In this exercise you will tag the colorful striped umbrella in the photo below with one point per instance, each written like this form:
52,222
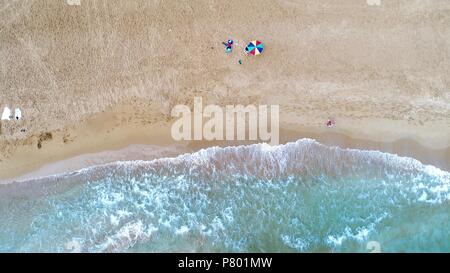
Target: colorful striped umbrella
254,48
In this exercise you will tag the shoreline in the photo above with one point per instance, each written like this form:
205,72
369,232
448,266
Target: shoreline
157,143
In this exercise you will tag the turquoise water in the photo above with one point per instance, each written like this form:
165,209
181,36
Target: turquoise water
298,197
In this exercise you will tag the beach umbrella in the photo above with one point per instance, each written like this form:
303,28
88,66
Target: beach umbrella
254,48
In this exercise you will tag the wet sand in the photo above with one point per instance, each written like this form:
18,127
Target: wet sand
138,144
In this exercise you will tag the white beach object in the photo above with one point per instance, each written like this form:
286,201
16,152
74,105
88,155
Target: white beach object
6,113
18,113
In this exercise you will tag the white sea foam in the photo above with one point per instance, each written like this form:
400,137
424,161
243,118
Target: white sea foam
127,236
295,243
301,195
182,230
302,156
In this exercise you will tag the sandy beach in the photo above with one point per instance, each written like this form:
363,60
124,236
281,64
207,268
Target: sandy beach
96,82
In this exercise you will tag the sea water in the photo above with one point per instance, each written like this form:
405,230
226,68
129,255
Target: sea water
297,197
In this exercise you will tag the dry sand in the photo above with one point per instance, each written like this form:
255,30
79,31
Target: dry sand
105,74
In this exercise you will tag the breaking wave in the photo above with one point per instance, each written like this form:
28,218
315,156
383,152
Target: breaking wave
301,196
